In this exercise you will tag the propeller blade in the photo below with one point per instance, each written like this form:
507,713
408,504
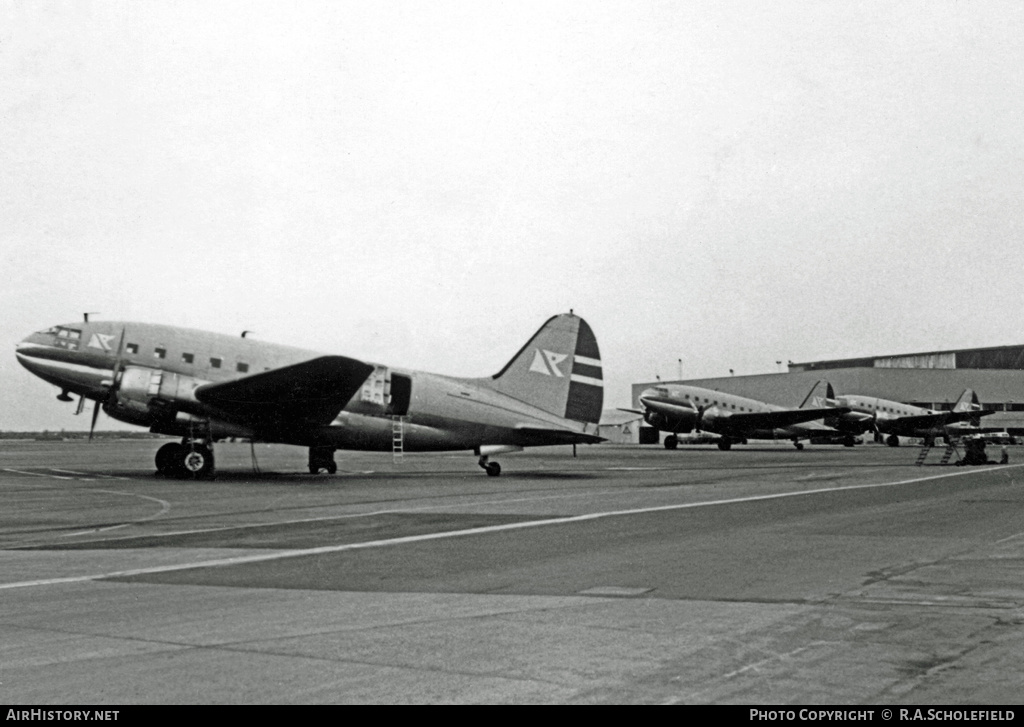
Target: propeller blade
111,394
95,416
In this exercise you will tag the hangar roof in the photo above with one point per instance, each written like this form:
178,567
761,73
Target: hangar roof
993,357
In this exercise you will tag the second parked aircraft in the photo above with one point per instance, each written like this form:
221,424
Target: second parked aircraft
678,408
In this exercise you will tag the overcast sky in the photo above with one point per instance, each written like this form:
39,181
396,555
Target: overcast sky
423,184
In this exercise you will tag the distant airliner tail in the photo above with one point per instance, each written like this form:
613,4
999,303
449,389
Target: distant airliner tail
558,370
820,396
968,401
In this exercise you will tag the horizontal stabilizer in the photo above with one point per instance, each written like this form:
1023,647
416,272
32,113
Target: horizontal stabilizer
539,436
310,393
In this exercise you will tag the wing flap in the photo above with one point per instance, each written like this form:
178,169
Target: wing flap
308,393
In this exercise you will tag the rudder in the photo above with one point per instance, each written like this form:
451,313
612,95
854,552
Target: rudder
558,370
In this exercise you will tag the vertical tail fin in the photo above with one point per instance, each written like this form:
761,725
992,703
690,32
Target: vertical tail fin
968,401
558,370
820,396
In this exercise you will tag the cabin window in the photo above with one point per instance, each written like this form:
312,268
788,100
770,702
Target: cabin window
187,358
131,347
160,352
215,362
242,367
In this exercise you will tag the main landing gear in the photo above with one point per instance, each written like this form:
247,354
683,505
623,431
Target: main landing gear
188,460
798,444
493,469
321,459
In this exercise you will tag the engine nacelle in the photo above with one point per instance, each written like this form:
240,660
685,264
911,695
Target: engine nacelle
142,385
714,419
681,421
184,424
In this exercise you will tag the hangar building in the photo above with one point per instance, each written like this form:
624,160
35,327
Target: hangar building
933,380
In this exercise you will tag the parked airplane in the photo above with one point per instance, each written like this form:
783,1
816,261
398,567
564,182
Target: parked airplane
205,387
679,408
895,419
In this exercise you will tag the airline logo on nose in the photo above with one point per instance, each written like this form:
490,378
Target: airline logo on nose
101,341
546,362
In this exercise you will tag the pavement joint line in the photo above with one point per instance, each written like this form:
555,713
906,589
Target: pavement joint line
327,549
329,518
164,508
37,474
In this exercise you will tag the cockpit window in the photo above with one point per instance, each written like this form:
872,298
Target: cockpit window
66,337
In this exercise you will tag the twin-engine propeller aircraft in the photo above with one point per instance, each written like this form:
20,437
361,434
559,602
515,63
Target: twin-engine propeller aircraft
205,387
677,408
895,419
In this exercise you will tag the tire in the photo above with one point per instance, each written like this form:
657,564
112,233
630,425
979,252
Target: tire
196,462
168,458
493,469
671,441
724,444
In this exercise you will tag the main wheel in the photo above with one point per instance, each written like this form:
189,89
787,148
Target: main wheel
798,445
671,441
493,469
197,461
168,458
892,440
724,445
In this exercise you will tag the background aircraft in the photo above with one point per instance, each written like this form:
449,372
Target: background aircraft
204,387
895,419
679,408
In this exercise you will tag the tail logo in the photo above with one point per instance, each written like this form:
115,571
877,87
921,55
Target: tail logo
546,362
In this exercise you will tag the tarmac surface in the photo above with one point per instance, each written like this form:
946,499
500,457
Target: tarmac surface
763,575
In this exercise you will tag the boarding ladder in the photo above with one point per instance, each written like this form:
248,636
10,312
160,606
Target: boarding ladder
950,449
397,438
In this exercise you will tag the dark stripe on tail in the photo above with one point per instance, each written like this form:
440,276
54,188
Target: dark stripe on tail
585,401
593,372
586,397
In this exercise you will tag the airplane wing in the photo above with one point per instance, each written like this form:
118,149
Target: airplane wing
537,436
309,393
779,419
928,421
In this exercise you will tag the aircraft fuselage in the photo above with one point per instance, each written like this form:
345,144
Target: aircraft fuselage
158,369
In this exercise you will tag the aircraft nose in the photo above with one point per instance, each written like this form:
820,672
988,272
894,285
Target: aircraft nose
31,345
